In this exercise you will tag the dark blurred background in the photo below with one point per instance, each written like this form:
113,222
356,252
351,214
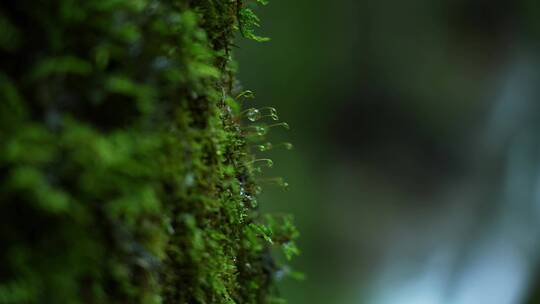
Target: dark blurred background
416,124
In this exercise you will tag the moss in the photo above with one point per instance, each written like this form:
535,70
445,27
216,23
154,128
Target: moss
125,171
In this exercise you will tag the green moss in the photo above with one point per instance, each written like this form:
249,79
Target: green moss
126,175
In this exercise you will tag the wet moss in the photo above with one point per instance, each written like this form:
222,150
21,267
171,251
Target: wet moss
125,172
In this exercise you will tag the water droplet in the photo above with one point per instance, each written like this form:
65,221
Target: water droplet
271,111
253,114
261,131
265,147
256,130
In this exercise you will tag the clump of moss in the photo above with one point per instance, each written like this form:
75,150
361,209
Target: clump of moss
125,171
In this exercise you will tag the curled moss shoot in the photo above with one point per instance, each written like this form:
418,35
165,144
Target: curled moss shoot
271,112
262,130
256,130
279,124
247,94
269,146
253,114
268,162
264,147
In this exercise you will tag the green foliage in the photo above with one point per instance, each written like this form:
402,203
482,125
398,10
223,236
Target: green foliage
248,22
126,176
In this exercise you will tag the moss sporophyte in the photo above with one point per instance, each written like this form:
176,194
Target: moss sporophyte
127,170
253,114
269,146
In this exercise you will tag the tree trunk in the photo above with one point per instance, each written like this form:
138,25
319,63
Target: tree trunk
125,173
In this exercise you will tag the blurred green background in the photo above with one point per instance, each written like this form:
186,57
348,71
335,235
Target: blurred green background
414,173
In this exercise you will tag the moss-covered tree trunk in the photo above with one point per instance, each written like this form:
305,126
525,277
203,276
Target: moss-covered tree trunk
125,172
